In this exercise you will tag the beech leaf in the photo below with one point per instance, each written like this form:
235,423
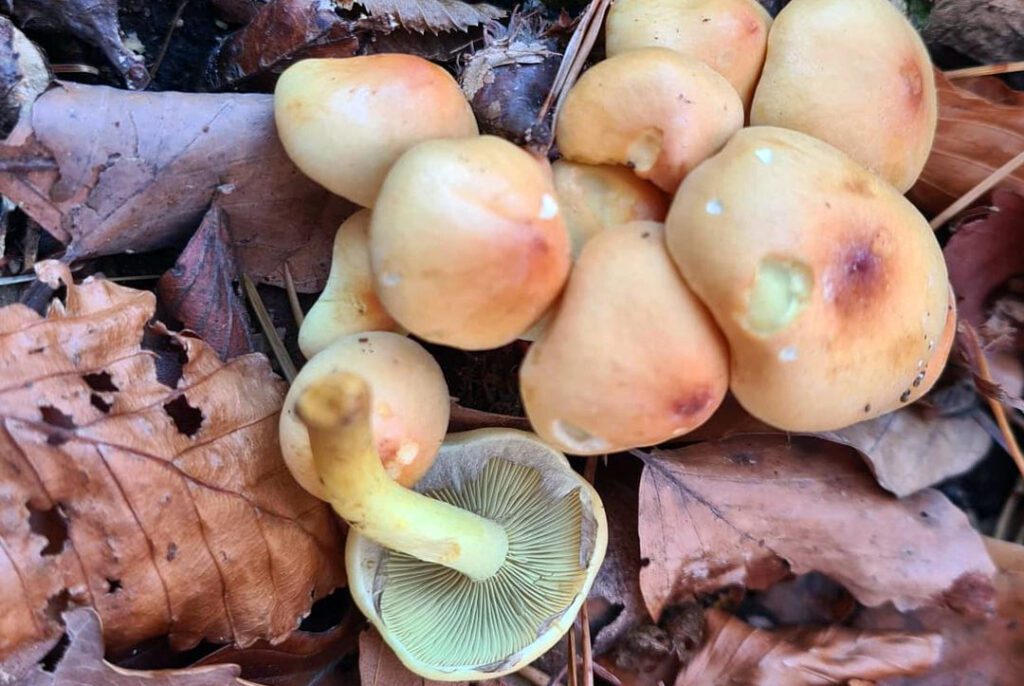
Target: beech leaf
433,16
378,666
908,451
750,509
975,137
138,171
142,476
199,290
737,654
83,664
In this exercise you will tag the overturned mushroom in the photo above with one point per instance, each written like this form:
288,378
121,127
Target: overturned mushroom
410,411
654,110
348,303
480,572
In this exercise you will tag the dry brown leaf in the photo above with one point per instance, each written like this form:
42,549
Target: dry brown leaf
748,510
908,451
615,603
975,652
93,21
989,32
433,16
138,171
148,486
467,419
984,254
975,137
737,654
378,666
83,664
1009,560
199,291
279,33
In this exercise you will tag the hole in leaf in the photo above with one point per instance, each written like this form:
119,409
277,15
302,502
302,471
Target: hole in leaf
99,403
170,357
325,612
644,561
172,552
52,659
54,417
187,419
51,525
100,381
114,585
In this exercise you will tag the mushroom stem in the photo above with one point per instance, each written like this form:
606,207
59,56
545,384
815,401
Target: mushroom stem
336,412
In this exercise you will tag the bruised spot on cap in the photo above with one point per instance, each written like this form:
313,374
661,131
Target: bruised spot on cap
692,404
857,279
912,83
858,185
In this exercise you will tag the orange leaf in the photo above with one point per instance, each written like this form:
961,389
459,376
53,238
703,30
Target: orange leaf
142,476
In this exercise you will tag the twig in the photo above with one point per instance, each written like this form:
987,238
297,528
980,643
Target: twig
284,360
1009,509
572,675
167,40
534,676
985,186
974,346
576,54
984,70
74,69
293,296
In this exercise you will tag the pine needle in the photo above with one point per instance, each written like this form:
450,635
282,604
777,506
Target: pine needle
284,360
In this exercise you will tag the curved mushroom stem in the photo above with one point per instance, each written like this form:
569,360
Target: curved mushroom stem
336,411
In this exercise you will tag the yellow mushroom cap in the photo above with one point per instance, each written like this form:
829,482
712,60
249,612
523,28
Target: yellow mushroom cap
348,303
631,357
856,75
729,36
410,405
344,122
467,242
654,110
596,197
828,284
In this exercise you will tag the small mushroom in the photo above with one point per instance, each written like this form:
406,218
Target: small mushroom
467,242
653,110
828,284
729,36
856,75
409,415
348,303
594,198
344,122
631,358
482,568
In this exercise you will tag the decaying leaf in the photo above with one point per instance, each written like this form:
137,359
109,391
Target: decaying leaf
908,451
975,651
138,171
615,602
199,290
83,664
304,659
1009,560
975,137
748,510
142,476
737,654
378,666
93,21
279,33
467,419
989,32
24,74
428,16
982,255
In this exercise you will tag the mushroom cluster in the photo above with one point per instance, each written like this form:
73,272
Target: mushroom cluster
726,216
